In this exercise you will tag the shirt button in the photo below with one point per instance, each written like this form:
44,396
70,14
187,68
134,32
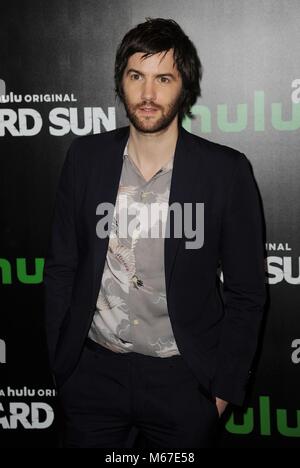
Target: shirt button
135,322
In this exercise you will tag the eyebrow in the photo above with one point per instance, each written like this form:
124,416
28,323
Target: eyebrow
157,76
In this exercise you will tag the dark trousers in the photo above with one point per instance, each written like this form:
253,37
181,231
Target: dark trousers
110,393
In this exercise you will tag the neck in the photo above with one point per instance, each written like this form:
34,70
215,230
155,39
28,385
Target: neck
150,151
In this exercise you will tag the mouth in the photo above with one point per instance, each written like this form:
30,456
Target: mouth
148,110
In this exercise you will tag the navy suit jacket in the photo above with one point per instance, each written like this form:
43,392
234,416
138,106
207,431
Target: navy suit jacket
216,334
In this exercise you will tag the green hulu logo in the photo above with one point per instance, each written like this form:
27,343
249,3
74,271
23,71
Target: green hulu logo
22,271
263,421
258,113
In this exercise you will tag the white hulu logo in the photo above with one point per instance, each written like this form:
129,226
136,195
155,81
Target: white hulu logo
2,352
2,88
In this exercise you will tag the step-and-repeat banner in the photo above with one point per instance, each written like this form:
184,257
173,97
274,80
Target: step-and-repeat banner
56,82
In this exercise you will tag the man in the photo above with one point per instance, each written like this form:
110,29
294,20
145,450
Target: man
137,330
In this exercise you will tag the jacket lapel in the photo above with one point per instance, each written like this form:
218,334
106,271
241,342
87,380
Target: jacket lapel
181,191
106,179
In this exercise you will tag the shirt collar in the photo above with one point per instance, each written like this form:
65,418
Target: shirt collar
167,167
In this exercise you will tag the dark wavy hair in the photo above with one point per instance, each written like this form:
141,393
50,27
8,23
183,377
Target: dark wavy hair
158,35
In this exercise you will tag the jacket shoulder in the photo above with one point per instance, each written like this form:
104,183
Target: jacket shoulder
215,150
98,140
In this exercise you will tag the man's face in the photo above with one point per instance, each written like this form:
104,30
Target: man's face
152,91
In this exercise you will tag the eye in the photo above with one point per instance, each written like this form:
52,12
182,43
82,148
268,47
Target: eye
134,76
164,79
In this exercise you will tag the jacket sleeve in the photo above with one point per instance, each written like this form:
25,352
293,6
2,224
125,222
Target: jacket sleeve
244,292
61,257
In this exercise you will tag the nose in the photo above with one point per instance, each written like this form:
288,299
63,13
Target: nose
148,91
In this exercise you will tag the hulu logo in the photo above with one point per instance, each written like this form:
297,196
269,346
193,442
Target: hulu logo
264,421
2,88
258,116
22,271
2,352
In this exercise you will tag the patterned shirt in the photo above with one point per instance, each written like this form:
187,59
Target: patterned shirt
131,311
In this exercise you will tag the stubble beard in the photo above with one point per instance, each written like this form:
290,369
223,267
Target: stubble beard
152,124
